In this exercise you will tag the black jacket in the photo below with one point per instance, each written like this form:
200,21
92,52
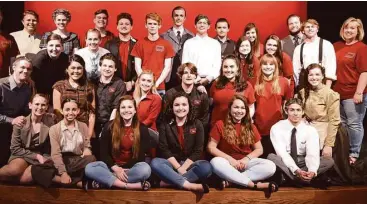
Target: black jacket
170,147
146,143
113,46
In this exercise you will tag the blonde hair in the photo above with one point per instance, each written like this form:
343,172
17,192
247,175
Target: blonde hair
310,21
360,34
137,94
260,82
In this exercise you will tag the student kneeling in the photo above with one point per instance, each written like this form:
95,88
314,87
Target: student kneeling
124,142
297,146
236,145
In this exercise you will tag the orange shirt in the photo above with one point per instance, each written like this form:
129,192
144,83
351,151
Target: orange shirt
153,55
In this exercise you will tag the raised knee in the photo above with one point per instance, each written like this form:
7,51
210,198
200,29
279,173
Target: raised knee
145,170
206,167
155,164
216,161
90,168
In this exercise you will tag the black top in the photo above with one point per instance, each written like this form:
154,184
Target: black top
146,143
170,147
47,71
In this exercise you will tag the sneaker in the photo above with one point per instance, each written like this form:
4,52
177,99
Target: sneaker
91,184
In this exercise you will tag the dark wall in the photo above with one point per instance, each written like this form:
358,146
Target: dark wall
12,15
331,16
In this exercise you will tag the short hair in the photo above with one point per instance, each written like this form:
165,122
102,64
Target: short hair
124,16
310,21
61,11
291,16
222,20
154,16
202,16
69,100
360,30
190,66
54,36
45,96
31,12
104,11
108,56
20,58
93,30
178,8
293,101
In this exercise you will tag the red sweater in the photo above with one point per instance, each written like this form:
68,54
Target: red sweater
222,97
269,106
149,109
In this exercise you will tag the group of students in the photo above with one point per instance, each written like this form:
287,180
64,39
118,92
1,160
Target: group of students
110,121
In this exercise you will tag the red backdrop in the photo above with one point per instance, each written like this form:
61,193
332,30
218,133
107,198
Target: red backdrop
270,17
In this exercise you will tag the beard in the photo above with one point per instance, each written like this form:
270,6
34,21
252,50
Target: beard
294,33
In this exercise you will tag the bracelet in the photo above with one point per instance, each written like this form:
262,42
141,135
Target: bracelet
248,157
178,168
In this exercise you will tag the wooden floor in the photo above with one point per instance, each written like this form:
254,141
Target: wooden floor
32,194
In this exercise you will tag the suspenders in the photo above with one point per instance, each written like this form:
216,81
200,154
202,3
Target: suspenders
320,53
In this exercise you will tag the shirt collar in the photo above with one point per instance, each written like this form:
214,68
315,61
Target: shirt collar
63,126
181,29
227,40
12,82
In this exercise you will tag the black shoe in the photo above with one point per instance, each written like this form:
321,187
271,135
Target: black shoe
321,182
90,184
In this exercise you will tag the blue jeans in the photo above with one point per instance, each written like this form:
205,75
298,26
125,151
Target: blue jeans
352,116
257,170
101,173
199,170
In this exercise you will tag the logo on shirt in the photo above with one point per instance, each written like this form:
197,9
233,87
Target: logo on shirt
192,131
197,102
350,55
159,48
111,90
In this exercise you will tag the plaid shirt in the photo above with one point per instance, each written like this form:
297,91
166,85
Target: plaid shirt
82,94
69,43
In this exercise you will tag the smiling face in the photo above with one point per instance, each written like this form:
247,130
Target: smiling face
124,26
238,110
146,82
54,48
268,68
202,26
22,70
38,106
222,29
152,26
245,48
310,30
75,71
61,22
127,110
294,112
108,68
230,69
100,20
188,77
350,31
70,111
92,40
181,107
179,17
294,25
251,34
315,77
30,23
271,46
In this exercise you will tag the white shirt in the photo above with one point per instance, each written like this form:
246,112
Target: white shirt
71,139
205,53
181,29
27,43
307,144
92,61
311,55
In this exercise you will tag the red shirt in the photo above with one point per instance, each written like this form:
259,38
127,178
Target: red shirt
8,49
153,55
181,139
287,66
149,109
124,56
250,74
222,97
126,145
351,62
269,106
235,151
104,39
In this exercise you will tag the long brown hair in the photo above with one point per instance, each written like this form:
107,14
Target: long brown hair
247,136
260,82
278,53
256,44
308,86
118,130
240,83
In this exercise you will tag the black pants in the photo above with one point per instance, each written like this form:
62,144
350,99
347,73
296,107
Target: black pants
267,146
6,131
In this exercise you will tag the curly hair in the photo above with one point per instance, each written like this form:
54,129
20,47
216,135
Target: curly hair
247,136
169,114
61,11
